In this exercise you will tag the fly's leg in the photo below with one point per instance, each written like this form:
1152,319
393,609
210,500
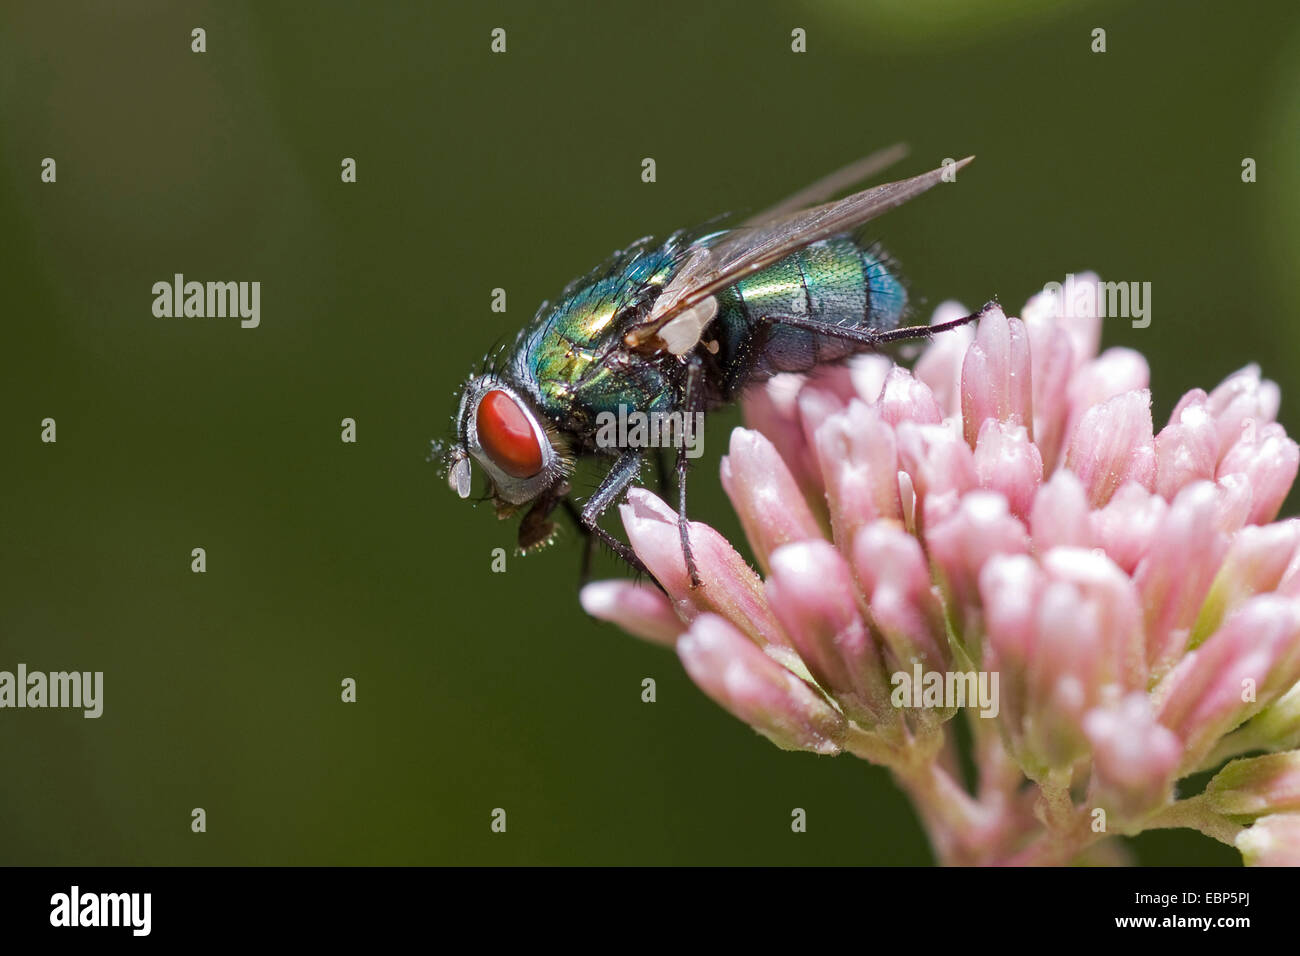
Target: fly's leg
926,331
693,402
665,477
536,528
626,467
871,337
588,540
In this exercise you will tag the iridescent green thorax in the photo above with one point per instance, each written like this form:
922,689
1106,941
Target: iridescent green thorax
568,359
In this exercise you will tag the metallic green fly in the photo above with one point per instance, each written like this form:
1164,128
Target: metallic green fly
670,331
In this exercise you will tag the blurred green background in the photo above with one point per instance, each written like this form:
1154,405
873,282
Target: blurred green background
325,560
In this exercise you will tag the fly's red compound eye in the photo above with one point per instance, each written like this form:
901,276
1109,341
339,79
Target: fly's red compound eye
507,435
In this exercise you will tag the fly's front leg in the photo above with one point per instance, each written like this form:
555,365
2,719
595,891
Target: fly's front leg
626,468
536,529
693,402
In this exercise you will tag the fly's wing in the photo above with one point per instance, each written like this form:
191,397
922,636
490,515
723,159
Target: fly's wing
748,249
856,172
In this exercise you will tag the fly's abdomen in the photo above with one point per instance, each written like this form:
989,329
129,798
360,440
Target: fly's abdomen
834,282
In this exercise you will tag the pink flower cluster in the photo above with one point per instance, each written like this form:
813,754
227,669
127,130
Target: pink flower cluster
1008,509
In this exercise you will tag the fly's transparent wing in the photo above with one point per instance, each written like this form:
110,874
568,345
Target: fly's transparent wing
856,172
748,249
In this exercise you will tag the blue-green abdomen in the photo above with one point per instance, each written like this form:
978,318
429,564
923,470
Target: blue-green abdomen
836,282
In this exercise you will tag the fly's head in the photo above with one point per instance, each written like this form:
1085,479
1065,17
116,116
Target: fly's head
520,452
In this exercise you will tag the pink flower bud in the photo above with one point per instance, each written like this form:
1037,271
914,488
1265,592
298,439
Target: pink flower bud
1113,444
1074,310
1052,366
772,408
940,365
1113,373
1088,645
1081,317
1006,461
836,380
1256,560
814,597
961,543
895,578
1240,397
765,495
860,465
939,462
1126,527
904,398
868,375
816,405
1233,498
1010,588
1059,688
1194,396
730,588
1273,841
1134,758
1175,576
1268,459
1117,655
640,609
996,379
732,670
1059,515
1249,662
1066,637
1187,449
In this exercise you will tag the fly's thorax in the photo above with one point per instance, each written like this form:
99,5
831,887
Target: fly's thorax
500,428
596,309
574,382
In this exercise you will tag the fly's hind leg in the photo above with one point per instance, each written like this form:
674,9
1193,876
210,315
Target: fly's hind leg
926,331
873,338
